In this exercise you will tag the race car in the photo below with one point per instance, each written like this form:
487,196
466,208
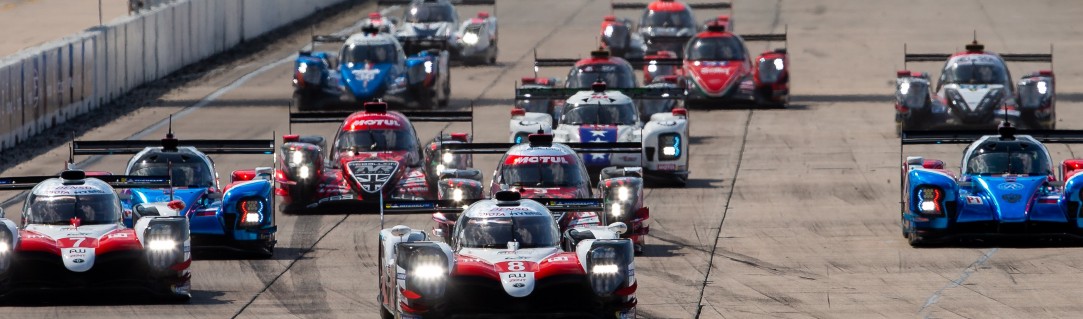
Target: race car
434,24
604,115
537,110
719,69
542,169
649,107
239,216
382,23
372,149
72,238
371,65
666,25
653,71
975,90
507,257
1007,187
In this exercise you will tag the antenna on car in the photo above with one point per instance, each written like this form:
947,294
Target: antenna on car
70,165
535,63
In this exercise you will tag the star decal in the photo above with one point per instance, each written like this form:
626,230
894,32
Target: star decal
597,156
594,133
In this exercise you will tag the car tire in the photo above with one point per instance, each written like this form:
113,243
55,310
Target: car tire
384,314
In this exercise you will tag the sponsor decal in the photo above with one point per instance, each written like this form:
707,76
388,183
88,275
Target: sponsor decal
539,159
1010,186
973,200
365,74
558,259
376,122
519,285
372,176
72,190
78,260
667,167
1011,198
715,70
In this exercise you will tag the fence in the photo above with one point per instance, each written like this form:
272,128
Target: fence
45,86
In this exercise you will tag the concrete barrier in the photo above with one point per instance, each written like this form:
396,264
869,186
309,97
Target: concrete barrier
50,84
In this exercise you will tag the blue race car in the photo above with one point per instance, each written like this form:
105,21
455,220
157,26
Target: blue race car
1007,187
239,216
371,65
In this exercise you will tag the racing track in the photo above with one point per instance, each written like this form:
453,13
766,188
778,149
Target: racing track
806,197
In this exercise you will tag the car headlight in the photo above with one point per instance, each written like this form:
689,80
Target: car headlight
928,200
251,212
302,67
4,247
1042,87
605,269
297,157
428,66
161,244
448,158
470,38
622,193
457,195
652,67
616,210
608,31
779,65
606,273
671,146
440,168
429,272
904,88
303,172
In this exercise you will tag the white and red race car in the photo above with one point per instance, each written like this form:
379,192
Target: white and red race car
719,69
507,256
72,238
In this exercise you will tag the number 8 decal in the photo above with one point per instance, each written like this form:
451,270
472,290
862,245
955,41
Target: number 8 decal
516,266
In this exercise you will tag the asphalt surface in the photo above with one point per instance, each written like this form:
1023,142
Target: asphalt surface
789,213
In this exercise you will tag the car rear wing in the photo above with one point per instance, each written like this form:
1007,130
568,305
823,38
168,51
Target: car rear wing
501,148
1008,57
116,181
636,63
414,116
206,146
640,93
641,5
969,136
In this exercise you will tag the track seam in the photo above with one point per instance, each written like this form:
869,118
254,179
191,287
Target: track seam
288,267
971,269
725,212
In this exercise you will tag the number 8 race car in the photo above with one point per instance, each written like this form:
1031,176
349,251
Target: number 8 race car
506,256
72,237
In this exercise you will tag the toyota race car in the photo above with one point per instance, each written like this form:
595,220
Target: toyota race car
1007,187
239,216
542,169
666,25
72,238
718,68
604,115
371,65
975,90
507,256
434,24
372,148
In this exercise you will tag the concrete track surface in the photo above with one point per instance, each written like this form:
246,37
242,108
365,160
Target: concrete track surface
790,212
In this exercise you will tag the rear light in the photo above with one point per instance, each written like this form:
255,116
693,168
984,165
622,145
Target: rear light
461,137
902,73
291,138
929,201
1045,72
518,112
680,112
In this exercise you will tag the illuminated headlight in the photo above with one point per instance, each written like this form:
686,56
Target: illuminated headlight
4,247
652,67
429,272
670,144
447,157
928,207
904,88
608,31
457,195
440,168
297,158
779,65
605,269
615,210
622,193
251,212
428,66
303,67
161,244
1042,87
928,200
669,151
470,38
302,172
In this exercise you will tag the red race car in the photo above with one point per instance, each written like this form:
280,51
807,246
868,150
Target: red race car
373,148
666,25
719,69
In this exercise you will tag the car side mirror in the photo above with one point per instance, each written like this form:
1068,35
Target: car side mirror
140,211
2,213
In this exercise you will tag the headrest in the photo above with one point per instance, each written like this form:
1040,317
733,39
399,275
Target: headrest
598,86
975,47
376,107
508,196
540,139
600,53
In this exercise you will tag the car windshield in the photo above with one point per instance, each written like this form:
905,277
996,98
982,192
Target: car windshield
614,75
1009,158
600,114
653,106
535,106
429,13
93,209
377,140
542,175
367,53
495,232
715,49
975,73
668,19
184,174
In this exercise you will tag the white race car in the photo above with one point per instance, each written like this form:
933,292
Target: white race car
506,256
601,115
72,237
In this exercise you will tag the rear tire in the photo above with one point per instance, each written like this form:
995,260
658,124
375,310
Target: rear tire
384,314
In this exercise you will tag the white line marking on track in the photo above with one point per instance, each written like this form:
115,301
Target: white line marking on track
973,267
